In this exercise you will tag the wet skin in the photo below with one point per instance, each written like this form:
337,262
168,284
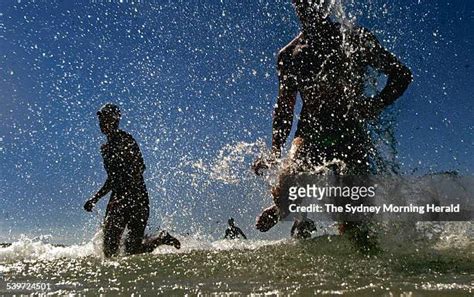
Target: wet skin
326,64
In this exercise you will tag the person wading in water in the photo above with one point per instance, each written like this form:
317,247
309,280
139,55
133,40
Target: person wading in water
326,65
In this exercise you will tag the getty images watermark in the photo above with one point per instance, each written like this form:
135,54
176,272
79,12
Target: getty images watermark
353,198
355,193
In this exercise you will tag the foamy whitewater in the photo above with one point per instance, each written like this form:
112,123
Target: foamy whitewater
431,259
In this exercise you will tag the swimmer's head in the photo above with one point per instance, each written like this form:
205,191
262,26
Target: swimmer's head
231,222
109,118
312,12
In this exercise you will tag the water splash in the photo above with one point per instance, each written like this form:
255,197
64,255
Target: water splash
28,249
233,162
33,249
394,237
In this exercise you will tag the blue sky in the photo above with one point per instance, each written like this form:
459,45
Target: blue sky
191,78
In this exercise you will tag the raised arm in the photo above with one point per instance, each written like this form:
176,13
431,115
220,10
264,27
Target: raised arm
399,76
285,106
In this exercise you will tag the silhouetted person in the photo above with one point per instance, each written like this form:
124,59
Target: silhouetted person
128,204
326,64
233,232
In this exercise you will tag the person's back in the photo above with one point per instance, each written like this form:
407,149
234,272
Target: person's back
124,164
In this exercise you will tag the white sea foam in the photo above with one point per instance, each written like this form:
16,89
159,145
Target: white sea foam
443,236
194,244
29,249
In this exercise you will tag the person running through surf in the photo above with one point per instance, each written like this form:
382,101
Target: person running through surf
128,204
326,65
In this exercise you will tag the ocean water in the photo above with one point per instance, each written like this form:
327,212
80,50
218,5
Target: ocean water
435,260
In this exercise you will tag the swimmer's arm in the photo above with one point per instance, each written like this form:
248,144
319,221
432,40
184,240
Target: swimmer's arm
104,190
241,233
284,109
106,187
399,76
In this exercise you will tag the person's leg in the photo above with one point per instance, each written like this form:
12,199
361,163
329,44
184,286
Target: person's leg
163,238
136,225
270,216
361,233
114,225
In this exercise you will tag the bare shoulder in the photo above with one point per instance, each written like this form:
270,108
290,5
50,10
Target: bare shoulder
127,137
103,147
366,37
287,53
361,32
